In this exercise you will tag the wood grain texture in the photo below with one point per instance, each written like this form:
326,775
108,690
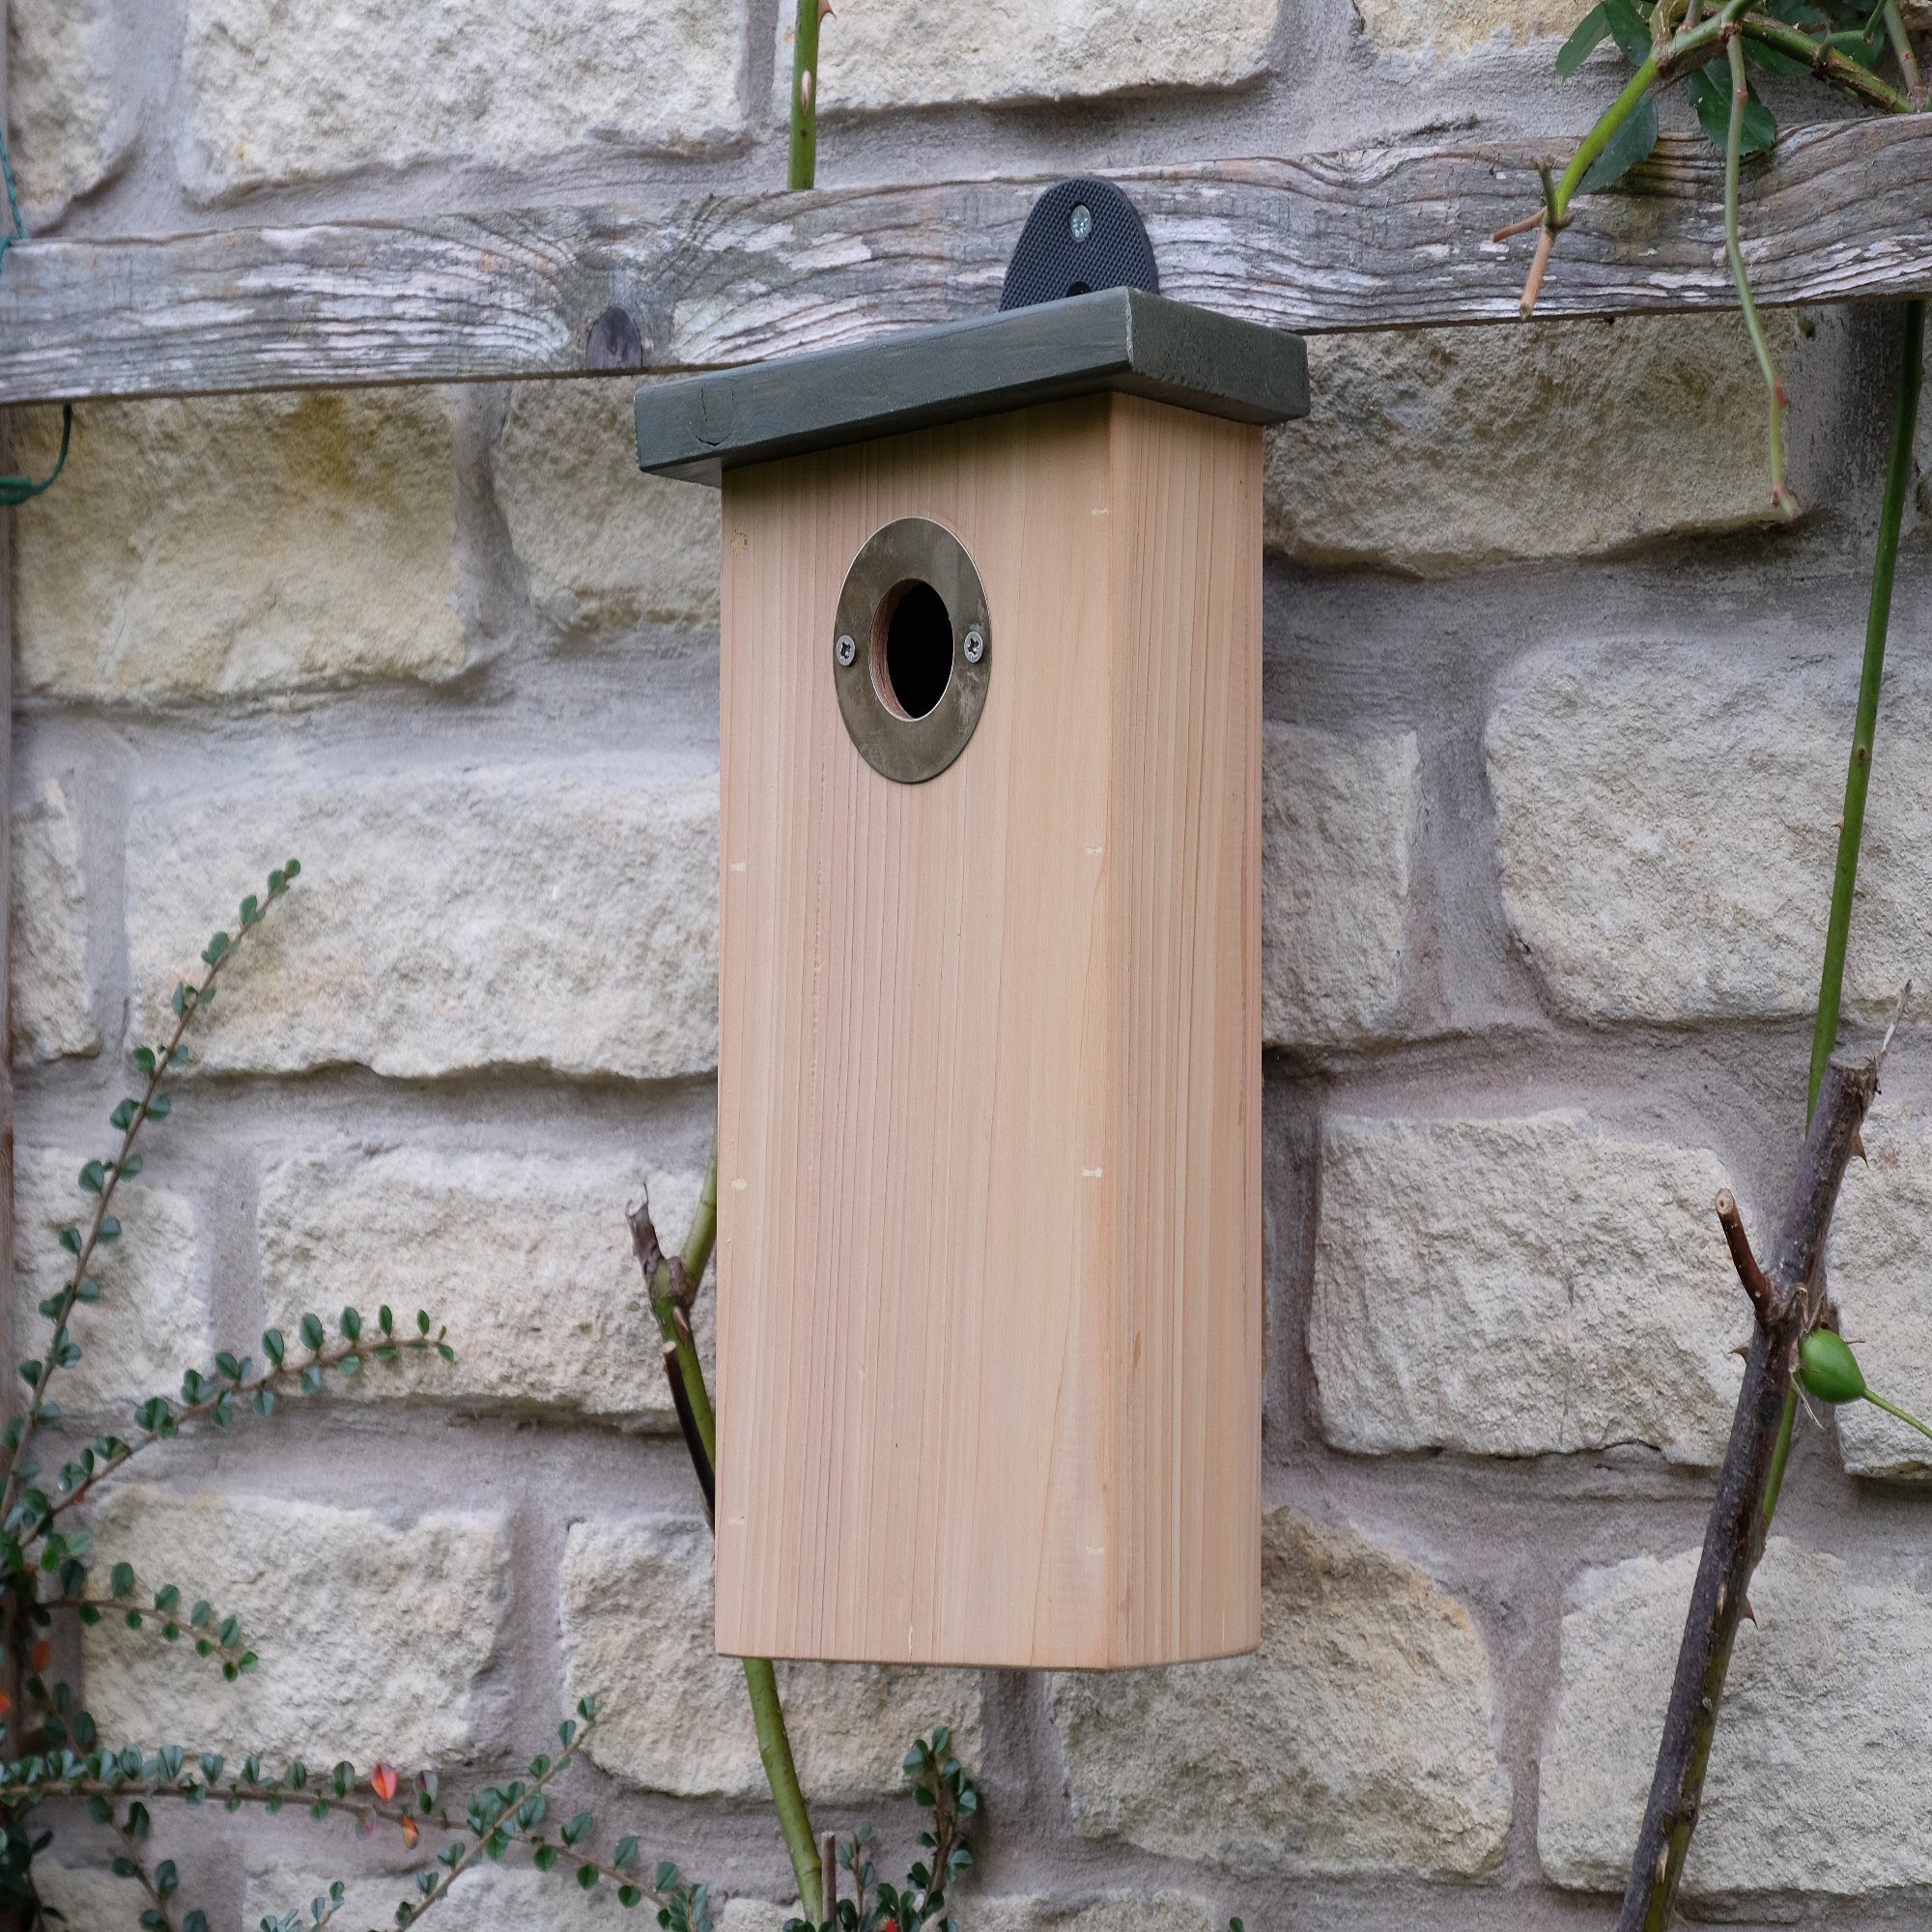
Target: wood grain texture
1396,236
10,1337
989,1263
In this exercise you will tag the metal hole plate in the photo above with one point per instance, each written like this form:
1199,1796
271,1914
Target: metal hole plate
911,749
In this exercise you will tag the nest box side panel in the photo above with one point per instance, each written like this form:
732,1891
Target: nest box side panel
1185,835
916,1263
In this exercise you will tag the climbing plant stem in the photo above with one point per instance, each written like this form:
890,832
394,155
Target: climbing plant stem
761,1683
804,96
1780,1453
1734,251
1878,619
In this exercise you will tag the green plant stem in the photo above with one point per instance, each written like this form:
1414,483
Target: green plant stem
1893,1408
1901,47
1599,137
761,1683
1663,63
1734,252
804,164
696,1257
1780,1453
1826,63
1878,619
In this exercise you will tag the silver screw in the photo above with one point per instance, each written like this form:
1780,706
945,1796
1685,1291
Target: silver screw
846,650
976,648
1082,223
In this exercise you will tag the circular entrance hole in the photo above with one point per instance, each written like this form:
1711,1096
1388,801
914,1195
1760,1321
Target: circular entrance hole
912,649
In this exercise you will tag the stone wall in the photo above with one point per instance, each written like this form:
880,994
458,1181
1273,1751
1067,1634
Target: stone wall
1556,726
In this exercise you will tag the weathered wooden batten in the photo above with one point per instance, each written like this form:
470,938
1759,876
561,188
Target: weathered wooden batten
989,1329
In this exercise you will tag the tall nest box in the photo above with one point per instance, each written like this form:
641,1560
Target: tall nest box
989,1257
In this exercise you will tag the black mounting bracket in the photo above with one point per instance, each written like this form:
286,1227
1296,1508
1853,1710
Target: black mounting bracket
1082,234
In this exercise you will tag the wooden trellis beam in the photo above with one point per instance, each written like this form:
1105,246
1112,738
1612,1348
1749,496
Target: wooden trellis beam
1396,236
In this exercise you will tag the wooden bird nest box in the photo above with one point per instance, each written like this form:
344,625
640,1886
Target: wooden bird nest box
989,1260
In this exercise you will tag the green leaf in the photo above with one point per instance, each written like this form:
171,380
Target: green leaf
94,1177
160,1107
312,1332
215,949
1583,42
123,1117
1712,99
110,1229
273,1343
352,1324
1631,143
1631,29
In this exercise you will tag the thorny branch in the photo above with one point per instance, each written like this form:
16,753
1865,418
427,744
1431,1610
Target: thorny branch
1789,1301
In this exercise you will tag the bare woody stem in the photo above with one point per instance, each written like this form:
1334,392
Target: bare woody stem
1781,498
1734,1538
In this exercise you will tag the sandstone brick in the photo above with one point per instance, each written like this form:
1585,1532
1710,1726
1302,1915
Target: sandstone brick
68,121
334,1601
281,92
489,1898
1880,1272
1122,1912
152,1320
88,1895
915,53
1666,829
638,1631
52,1007
446,921
1360,1738
528,1260
233,545
1338,826
604,549
1521,1286
1830,1677
1441,30
1441,449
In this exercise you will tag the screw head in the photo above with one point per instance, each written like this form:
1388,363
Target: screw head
975,647
845,650
1081,222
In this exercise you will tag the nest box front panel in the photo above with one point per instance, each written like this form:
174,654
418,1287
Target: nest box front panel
989,1254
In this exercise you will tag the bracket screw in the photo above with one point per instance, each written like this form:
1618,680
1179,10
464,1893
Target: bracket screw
1080,224
976,648
845,650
